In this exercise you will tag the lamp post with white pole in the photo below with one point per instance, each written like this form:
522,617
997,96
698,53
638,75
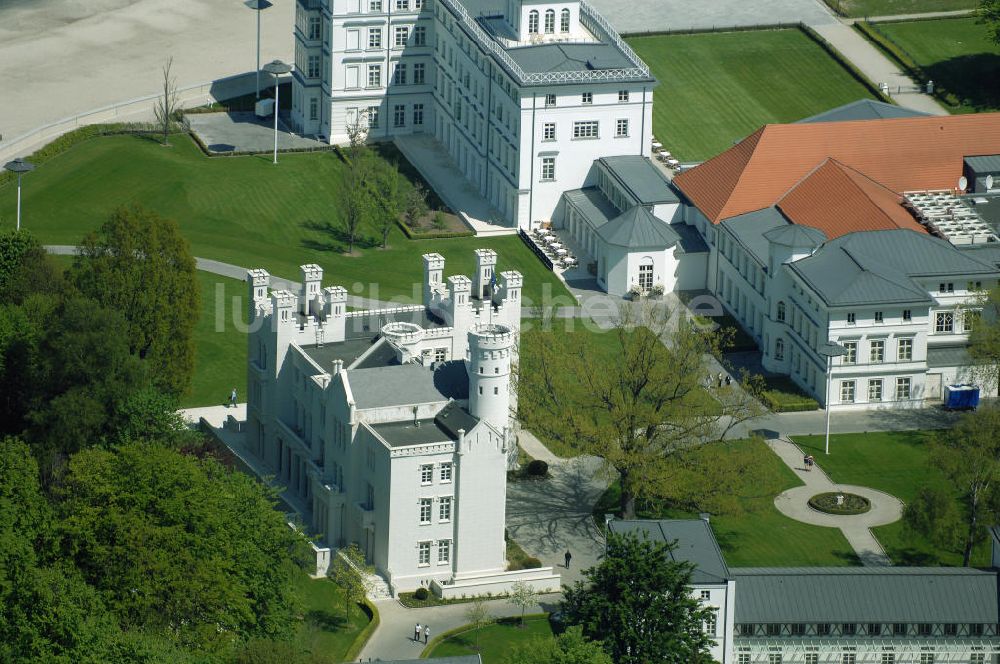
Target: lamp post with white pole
20,167
258,6
276,68
830,350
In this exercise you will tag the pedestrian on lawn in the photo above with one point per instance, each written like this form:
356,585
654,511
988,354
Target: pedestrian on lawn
232,398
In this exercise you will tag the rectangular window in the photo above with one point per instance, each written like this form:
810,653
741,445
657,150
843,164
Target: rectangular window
711,623
399,35
747,629
587,98
373,119
811,658
823,629
904,350
399,78
444,509
907,315
549,131
899,629
585,129
774,658
548,169
426,473
440,354
888,658
926,658
851,356
645,277
847,391
798,629
623,96
705,594
944,321
423,553
312,66
773,629
621,128
374,76
313,108
874,391
946,287
877,351
975,629
444,552
969,318
874,629
847,658
950,629
744,658
878,316
550,100
375,5
977,658
848,629
851,319
402,5
418,114
399,115
924,629
374,37
446,472
314,27
419,73
420,36
425,510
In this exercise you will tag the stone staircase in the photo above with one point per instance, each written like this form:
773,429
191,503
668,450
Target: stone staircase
376,588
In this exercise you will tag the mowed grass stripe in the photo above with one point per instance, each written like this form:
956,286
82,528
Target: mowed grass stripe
718,88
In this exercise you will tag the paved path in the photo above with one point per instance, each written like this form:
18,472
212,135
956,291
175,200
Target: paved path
857,528
660,15
911,17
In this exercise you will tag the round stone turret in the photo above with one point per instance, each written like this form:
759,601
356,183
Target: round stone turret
490,348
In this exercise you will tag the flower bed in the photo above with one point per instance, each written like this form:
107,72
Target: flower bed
828,503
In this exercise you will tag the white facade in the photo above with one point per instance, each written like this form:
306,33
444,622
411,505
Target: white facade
392,426
521,119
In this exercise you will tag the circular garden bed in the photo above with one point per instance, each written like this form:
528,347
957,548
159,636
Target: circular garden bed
840,503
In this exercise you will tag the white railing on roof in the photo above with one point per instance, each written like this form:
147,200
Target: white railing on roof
368,313
586,10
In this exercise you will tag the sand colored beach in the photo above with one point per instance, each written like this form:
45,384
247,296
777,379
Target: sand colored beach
63,57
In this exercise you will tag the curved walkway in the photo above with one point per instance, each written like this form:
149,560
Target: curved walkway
856,528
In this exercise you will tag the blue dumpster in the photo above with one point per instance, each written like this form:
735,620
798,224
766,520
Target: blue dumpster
961,397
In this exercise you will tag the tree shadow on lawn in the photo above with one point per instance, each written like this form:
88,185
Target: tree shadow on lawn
335,239
974,79
327,621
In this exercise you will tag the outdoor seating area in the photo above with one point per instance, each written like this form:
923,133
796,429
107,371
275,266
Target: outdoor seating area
664,156
545,243
949,217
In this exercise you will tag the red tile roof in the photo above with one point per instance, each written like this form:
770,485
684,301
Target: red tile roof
901,154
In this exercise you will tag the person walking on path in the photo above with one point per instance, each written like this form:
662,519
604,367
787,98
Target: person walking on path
416,633
569,557
427,633
232,398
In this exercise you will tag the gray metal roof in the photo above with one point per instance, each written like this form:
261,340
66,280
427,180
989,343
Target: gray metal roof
420,432
408,384
863,109
865,594
593,205
984,164
637,227
749,229
876,267
641,178
796,236
694,540
557,57
453,417
691,240
948,356
369,325
348,351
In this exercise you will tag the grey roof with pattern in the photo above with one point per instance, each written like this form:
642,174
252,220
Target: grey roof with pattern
638,228
863,109
408,384
641,178
749,229
694,540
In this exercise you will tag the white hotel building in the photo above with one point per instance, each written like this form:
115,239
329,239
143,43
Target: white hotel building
524,95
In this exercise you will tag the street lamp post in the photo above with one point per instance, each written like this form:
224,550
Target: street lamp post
276,68
258,6
830,350
20,167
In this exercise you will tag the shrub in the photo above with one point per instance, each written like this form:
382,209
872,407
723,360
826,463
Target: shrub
421,594
439,221
538,468
531,563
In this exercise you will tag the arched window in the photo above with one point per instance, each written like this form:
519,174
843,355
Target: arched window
550,21
779,349
781,312
564,21
533,22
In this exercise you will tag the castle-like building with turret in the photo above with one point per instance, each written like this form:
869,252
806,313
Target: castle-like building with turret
392,427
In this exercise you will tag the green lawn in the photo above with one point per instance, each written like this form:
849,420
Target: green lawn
221,344
956,54
755,533
494,640
897,463
325,629
246,211
894,7
718,88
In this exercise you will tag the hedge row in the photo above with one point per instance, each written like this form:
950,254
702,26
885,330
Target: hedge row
712,29
362,638
416,235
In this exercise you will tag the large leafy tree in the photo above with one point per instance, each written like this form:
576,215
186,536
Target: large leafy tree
638,602
139,265
570,647
988,13
643,409
178,545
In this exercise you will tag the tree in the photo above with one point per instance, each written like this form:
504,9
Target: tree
167,104
642,409
968,455
140,265
570,647
387,183
988,13
358,208
478,615
415,204
522,595
350,571
637,600
358,129
984,340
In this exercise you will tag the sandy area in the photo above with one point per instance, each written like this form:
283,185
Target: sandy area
62,57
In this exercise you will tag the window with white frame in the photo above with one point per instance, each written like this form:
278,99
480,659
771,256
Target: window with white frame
743,658
549,131
418,4
564,21
399,115
312,66
705,594
402,5
781,312
875,389
876,351
944,321
548,169
888,658
313,108
621,128
926,658
425,511
904,350
622,96
587,98
418,114
419,73
550,21
711,622
946,287
444,508
374,76
811,658
847,658
774,658
878,317
374,37
440,354
423,553
399,77
907,315
550,100
373,117
977,658
420,36
779,349
314,28
426,473
847,391
851,352
446,472
851,318
444,552
533,22
375,5
400,35
646,276
585,129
